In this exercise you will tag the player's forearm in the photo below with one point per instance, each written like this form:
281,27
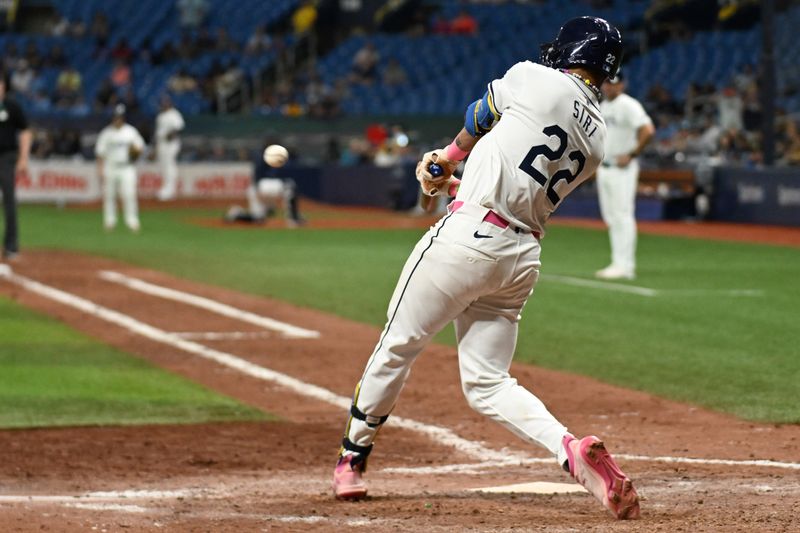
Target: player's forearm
464,141
428,203
25,142
643,138
461,146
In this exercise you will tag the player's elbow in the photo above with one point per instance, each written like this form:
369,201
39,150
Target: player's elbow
481,116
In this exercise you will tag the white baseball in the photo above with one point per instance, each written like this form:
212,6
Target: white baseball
276,155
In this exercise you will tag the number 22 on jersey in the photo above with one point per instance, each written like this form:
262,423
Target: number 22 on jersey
549,182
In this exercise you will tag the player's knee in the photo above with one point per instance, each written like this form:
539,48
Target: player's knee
471,395
479,392
618,218
624,220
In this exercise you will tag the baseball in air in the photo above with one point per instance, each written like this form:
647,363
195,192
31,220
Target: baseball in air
276,155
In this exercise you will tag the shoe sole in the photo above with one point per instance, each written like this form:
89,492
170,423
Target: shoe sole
623,501
351,494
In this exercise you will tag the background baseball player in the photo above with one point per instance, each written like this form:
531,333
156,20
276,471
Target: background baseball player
118,147
15,147
541,134
169,124
629,131
266,191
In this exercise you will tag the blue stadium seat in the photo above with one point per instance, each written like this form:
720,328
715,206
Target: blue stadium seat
445,72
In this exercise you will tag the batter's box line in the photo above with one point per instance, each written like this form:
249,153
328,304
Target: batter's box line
223,335
476,468
289,330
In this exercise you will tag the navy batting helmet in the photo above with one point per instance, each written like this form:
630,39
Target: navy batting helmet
589,42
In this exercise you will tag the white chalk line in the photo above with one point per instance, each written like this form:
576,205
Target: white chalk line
114,507
696,461
222,335
646,291
535,487
476,468
152,289
441,435
141,494
752,293
489,458
603,285
467,468
99,496
298,519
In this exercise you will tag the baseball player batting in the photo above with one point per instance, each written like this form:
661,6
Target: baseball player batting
534,136
629,131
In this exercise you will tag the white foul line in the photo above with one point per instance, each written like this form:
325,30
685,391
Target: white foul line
209,305
605,285
441,435
646,291
489,457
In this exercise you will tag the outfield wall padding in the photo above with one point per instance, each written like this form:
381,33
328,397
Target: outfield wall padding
757,196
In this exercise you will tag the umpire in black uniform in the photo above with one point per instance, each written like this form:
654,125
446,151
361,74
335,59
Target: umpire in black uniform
15,147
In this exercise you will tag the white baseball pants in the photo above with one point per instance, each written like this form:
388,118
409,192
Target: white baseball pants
617,194
482,284
120,181
167,156
271,190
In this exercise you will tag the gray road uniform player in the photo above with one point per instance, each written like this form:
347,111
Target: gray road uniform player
477,266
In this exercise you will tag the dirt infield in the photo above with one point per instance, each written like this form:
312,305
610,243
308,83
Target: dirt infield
275,475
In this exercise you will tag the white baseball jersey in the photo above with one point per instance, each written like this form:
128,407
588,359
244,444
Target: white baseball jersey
549,140
624,115
166,122
114,143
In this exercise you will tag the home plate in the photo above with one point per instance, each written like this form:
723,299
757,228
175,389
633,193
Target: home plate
536,487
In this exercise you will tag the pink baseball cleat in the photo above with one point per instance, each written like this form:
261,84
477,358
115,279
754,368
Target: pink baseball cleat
347,482
593,467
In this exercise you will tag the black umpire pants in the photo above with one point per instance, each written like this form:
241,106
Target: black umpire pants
8,162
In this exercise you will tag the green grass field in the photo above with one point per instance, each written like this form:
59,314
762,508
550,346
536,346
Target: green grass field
693,342
51,375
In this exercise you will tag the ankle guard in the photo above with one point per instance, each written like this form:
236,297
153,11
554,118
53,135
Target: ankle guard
360,453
